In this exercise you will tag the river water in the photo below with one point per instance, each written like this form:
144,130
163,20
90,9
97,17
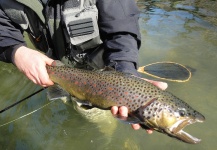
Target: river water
180,31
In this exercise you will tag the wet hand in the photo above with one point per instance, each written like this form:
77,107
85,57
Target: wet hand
123,111
33,64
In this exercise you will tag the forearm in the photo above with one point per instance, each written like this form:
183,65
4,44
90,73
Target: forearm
122,53
11,38
119,30
7,53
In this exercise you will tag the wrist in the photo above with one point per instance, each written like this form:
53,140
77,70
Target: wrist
18,53
125,66
8,53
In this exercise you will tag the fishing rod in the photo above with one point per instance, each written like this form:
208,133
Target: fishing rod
12,105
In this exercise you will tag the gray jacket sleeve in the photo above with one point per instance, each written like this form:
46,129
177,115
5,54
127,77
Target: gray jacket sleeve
11,37
119,30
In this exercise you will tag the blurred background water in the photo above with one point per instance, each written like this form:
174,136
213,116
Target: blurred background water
180,31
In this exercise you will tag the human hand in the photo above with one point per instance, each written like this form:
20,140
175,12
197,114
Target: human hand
33,64
123,111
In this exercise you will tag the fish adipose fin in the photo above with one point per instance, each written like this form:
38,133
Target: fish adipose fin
58,63
107,68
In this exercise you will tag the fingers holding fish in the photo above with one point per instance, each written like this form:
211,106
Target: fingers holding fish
123,111
33,65
161,85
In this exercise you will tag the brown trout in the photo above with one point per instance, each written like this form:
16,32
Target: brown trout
150,106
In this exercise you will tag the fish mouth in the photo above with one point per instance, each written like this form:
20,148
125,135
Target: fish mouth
177,131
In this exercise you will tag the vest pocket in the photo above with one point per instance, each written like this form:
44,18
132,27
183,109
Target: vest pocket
82,26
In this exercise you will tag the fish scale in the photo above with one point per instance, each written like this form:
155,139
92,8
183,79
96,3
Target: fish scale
153,107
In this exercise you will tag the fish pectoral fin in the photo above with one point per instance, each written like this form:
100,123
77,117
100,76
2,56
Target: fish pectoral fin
56,92
128,120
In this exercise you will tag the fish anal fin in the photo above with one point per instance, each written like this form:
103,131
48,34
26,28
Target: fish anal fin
56,92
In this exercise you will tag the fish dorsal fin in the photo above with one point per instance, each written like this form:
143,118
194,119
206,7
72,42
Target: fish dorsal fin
56,63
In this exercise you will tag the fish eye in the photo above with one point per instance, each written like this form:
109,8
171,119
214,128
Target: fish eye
182,113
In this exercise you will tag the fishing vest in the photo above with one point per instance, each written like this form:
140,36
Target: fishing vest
76,30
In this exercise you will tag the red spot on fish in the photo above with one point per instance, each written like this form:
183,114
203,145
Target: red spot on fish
110,88
76,82
136,96
99,92
94,85
50,72
126,93
102,83
108,97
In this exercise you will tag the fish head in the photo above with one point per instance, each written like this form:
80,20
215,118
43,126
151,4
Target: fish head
171,117
176,123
